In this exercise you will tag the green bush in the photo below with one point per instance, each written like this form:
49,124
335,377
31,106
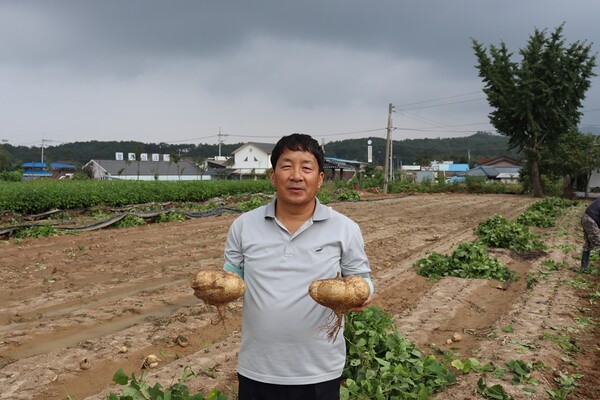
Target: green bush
37,232
381,364
348,194
32,197
543,213
497,231
11,176
536,218
469,260
140,389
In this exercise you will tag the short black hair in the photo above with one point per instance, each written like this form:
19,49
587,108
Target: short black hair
298,142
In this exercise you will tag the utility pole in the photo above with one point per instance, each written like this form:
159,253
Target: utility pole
43,145
388,152
221,135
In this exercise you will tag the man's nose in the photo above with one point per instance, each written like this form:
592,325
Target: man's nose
297,173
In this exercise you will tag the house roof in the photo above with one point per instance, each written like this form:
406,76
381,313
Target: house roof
265,147
453,167
343,161
494,172
504,175
134,168
216,163
36,172
45,165
498,160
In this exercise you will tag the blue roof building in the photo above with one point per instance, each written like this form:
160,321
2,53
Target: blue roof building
36,170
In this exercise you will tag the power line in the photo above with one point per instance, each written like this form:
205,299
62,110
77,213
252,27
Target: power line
441,131
438,99
443,104
311,133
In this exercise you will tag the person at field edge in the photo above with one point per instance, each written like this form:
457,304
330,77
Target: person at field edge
279,250
590,221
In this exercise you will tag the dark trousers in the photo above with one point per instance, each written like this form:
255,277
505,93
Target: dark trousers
252,390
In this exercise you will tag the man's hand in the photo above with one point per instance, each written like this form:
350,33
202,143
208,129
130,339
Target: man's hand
362,306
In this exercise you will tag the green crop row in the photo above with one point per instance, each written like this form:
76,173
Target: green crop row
32,197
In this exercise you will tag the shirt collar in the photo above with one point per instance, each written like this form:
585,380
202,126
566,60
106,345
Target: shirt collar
321,212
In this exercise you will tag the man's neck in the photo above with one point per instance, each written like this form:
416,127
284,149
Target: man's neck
293,217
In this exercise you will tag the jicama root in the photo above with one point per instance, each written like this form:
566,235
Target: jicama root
340,295
218,288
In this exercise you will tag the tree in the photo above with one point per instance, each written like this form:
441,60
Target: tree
538,99
6,160
571,159
574,157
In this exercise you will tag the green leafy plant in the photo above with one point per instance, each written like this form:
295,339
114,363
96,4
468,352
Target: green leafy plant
544,213
593,297
566,342
469,260
381,364
471,364
521,372
171,216
536,218
507,329
251,204
497,231
325,196
531,280
348,195
37,232
554,266
494,392
129,221
140,389
566,384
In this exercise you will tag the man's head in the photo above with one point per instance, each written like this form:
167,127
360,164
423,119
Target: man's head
297,173
298,142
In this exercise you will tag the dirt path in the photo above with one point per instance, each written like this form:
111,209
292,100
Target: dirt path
69,304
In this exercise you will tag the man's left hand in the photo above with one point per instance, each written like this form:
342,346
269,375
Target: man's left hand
362,306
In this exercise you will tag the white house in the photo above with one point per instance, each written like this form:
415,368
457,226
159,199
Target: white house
594,182
252,159
593,187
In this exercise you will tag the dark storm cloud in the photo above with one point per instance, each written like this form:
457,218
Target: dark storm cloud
115,68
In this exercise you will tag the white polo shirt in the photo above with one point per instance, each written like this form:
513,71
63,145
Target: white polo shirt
284,334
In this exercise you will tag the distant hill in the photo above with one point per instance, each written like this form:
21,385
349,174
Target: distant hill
463,149
82,152
421,151
595,130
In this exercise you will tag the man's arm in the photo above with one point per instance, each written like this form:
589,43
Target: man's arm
232,268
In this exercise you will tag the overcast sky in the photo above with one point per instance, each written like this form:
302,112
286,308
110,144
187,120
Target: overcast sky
180,71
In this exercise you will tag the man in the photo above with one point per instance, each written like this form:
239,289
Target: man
590,221
279,250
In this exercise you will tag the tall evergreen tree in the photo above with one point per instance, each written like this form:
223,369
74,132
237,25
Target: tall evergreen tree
536,100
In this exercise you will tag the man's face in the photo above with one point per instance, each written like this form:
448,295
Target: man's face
296,177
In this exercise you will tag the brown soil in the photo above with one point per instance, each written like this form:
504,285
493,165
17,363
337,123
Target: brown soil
81,297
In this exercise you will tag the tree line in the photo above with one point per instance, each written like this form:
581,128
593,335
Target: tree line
409,151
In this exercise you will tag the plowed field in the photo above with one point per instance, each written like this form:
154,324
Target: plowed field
68,304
